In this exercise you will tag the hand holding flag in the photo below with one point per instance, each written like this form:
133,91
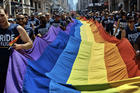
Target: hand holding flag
13,41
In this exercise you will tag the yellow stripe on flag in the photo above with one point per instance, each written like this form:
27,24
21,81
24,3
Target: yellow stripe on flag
97,70
79,73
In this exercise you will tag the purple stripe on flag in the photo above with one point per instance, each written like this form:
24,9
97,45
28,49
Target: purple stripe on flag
18,60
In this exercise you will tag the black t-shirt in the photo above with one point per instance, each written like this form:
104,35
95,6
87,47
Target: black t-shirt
105,23
63,23
111,23
132,35
123,24
6,36
98,18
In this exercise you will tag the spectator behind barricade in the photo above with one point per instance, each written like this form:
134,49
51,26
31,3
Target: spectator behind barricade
131,33
121,24
33,21
41,29
21,20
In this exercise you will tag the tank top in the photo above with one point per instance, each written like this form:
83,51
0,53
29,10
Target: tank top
6,36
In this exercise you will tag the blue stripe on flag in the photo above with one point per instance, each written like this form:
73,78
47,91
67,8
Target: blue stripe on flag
59,73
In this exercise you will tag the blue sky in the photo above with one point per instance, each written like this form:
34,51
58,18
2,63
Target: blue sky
75,1
73,5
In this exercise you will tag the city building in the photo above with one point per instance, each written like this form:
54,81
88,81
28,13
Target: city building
40,6
33,6
14,7
127,5
71,4
78,5
90,5
64,4
112,5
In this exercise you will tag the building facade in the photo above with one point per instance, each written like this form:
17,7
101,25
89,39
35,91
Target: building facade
127,5
31,6
90,5
40,6
71,3
78,5
14,7
64,4
112,5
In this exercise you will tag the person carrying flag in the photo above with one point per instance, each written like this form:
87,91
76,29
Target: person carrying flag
10,32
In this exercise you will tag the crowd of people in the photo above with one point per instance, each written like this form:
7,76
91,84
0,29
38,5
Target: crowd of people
27,28
39,24
9,32
118,23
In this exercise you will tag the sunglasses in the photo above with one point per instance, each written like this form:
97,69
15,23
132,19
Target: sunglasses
20,18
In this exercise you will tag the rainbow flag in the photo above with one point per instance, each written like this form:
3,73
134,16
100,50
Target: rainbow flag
103,64
20,60
14,41
84,60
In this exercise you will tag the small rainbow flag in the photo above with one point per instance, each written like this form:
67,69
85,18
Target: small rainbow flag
13,41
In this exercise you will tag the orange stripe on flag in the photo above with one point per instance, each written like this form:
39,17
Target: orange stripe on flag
13,41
